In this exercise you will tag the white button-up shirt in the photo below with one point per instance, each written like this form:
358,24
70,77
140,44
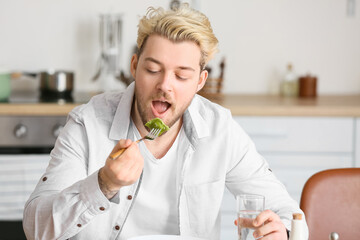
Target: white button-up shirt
68,203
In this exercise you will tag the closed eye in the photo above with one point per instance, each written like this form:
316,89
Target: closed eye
152,71
181,78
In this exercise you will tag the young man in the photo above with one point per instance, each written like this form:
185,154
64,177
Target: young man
171,185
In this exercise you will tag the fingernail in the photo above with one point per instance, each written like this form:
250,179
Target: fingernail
255,222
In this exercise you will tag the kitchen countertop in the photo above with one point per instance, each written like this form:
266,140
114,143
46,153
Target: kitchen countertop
266,105
240,105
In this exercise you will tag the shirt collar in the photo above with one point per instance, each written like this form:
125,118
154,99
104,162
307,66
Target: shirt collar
194,121
121,122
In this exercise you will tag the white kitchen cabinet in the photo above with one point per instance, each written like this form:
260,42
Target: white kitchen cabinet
293,171
299,134
296,148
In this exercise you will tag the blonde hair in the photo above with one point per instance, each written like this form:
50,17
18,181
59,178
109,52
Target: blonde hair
181,24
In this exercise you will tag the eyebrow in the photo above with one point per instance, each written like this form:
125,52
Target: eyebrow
150,59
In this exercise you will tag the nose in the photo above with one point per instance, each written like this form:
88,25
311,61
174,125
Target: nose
166,82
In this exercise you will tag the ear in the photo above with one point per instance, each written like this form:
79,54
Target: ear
203,76
133,65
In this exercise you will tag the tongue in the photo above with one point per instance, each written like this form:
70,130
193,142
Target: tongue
160,107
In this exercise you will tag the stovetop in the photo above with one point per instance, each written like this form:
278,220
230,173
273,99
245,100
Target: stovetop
36,97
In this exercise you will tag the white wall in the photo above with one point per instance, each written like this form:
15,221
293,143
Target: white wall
257,37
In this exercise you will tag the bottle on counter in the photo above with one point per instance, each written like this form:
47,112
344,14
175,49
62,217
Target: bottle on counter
296,232
289,85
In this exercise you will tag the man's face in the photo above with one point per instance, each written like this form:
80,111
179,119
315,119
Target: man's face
167,76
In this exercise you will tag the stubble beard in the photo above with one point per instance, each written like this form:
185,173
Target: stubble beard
142,108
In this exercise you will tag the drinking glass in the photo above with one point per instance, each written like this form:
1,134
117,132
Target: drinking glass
248,207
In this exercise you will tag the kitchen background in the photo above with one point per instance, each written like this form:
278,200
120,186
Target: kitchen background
258,38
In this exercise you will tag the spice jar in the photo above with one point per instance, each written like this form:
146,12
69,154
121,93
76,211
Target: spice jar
307,86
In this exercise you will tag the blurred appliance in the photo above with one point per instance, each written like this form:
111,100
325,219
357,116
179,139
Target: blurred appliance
108,70
53,85
4,85
56,85
213,85
25,144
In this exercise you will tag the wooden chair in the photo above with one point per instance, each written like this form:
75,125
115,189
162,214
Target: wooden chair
331,202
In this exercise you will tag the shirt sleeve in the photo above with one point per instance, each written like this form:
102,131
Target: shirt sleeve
251,173
66,197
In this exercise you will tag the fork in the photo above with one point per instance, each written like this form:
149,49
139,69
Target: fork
154,133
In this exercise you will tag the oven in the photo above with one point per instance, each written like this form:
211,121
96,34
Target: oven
25,144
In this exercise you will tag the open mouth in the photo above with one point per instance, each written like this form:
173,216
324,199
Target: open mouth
160,107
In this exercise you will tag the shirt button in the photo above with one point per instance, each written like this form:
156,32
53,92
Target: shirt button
117,227
129,197
44,179
101,208
79,225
